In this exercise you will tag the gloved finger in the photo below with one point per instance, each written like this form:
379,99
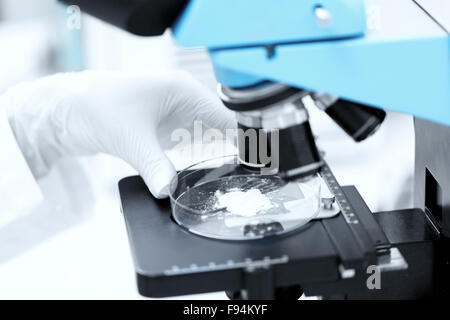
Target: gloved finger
213,114
194,102
158,175
159,178
147,157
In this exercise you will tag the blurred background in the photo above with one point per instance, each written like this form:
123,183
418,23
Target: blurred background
75,245
37,41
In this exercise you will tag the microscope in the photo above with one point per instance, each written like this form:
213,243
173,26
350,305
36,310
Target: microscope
353,59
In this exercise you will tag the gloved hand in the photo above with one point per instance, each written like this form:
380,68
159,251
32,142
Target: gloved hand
122,115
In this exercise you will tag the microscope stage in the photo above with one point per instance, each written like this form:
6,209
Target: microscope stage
171,261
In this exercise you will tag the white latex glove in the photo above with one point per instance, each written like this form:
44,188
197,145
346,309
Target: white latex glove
122,115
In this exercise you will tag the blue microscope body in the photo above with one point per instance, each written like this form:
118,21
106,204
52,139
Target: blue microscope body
387,54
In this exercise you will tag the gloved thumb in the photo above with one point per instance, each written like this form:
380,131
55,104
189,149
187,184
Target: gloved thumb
158,175
154,167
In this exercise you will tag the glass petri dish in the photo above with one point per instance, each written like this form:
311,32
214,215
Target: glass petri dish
220,199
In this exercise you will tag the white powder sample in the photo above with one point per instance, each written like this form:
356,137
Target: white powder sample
243,203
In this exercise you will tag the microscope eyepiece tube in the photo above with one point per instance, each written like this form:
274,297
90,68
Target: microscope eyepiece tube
357,120
274,134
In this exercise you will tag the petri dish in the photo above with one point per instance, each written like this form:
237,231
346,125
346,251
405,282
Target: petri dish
220,199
